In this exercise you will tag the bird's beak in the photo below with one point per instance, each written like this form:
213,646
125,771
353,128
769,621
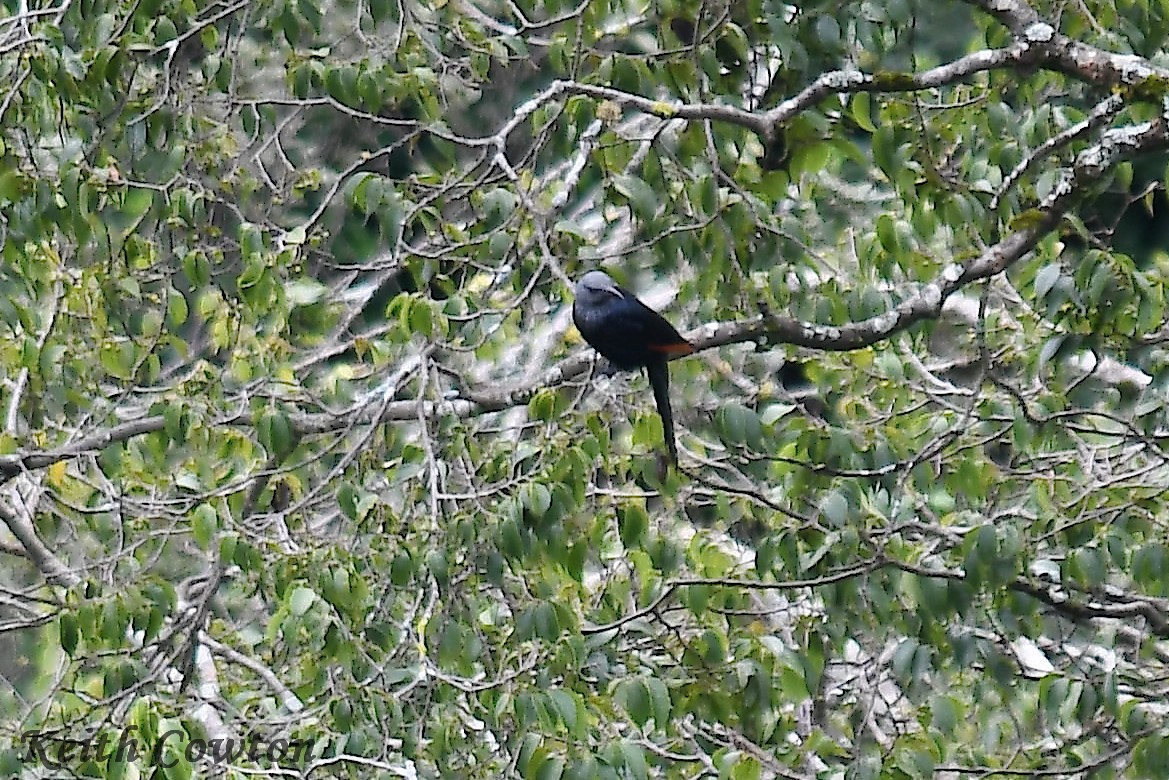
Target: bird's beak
613,290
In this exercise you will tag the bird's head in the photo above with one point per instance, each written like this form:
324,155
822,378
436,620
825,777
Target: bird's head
596,287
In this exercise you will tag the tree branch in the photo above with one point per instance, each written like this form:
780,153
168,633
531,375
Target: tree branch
672,586
1053,49
42,557
1132,606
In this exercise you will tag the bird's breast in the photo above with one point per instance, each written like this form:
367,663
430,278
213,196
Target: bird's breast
607,332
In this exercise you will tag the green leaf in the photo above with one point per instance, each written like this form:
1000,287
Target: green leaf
1052,348
204,524
347,499
632,523
304,292
834,507
276,434
634,698
253,272
1046,279
499,245
176,308
421,318
547,622
827,30
438,566
887,233
11,186
301,600
402,569
642,198
634,760
537,499
945,713
551,769
565,705
793,684
915,756
69,632
739,425
859,108
660,703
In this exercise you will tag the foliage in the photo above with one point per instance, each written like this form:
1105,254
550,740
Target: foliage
298,441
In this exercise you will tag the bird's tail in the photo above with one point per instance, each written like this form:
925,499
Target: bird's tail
659,380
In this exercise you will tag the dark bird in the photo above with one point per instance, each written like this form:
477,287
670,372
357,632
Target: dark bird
630,335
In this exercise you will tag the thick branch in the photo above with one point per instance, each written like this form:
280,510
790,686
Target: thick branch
1130,607
42,557
1071,57
1123,606
926,304
673,586
1037,44
1126,606
11,465
832,82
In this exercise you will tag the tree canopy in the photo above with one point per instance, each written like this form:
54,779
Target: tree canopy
298,442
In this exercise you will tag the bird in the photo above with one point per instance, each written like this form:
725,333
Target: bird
630,335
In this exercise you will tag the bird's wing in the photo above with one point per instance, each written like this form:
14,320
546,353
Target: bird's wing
655,332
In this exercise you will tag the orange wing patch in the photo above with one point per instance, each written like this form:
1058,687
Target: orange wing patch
681,348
